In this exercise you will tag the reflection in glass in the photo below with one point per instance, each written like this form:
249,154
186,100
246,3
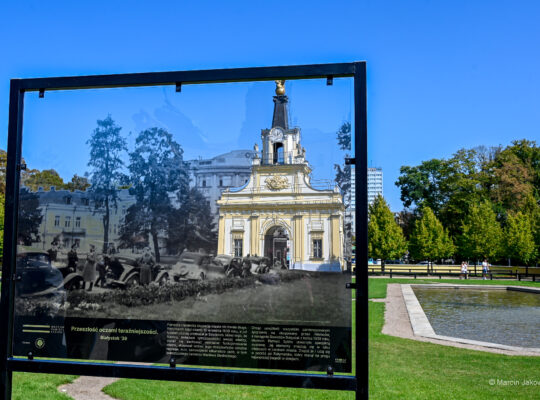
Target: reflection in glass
159,225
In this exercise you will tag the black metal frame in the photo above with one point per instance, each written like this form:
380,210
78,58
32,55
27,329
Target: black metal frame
9,364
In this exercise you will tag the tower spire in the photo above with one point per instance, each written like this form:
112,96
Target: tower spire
281,102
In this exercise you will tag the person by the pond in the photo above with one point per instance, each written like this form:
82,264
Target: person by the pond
464,270
73,258
89,271
146,263
485,268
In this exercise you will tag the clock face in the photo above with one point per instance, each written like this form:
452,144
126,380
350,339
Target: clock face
276,134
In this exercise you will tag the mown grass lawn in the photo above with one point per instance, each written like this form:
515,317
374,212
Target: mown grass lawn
399,369
39,386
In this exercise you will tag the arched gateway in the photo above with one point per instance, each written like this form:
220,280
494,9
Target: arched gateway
276,246
277,214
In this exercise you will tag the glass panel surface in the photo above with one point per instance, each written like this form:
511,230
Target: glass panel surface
212,225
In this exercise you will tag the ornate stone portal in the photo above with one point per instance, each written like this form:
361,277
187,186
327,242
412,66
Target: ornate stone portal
277,214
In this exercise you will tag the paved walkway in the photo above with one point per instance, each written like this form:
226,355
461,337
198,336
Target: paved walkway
87,388
397,323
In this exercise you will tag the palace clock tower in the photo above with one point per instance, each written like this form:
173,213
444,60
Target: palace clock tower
278,214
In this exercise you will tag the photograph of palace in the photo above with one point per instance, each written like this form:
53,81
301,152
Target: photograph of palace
258,202
148,230
277,213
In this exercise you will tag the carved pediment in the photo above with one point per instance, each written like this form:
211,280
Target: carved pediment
276,182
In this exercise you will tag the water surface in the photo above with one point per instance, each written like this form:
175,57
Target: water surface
496,316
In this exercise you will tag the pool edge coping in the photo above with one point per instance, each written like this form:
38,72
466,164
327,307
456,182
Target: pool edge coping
422,327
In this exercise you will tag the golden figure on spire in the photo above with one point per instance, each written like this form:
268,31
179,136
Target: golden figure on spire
280,87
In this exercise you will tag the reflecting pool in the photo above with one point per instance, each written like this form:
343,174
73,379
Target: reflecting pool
497,316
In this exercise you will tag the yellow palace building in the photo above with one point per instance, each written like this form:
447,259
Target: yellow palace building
277,213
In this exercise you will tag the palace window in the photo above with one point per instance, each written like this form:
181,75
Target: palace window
317,248
67,223
57,220
238,244
78,222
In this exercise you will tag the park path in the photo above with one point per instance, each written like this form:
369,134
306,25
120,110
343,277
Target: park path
87,388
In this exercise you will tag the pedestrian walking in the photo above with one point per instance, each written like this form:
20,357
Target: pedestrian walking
485,268
89,271
101,267
53,251
73,258
146,263
464,270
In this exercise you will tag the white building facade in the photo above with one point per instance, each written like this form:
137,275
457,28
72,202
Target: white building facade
212,176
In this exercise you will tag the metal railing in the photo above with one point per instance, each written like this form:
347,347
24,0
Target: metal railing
518,273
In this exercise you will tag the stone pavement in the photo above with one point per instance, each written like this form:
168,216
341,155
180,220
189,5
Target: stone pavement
87,388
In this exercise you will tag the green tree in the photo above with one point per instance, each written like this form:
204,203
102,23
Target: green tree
29,217
78,183
343,172
191,225
343,180
482,233
157,169
385,236
536,230
519,243
462,187
422,185
429,240
529,154
448,187
513,182
406,219
34,179
106,148
344,136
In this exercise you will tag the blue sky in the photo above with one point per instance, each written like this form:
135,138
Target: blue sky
441,75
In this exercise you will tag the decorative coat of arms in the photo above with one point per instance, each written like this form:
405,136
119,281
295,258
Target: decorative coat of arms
276,182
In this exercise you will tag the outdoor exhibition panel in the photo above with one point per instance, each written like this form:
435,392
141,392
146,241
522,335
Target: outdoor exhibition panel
205,221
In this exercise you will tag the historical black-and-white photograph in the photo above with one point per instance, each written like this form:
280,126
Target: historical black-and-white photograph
184,212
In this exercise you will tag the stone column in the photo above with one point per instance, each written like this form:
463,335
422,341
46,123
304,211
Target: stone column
298,238
254,235
221,235
335,248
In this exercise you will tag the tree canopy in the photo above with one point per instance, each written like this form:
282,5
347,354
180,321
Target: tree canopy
157,170
482,234
106,175
29,217
385,237
429,240
519,241
455,189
